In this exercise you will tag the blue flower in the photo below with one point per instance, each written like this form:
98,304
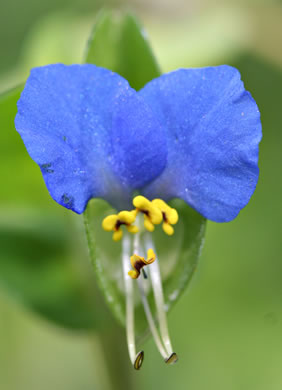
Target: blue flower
191,134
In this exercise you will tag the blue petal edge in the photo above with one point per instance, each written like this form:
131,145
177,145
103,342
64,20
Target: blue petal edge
91,134
213,130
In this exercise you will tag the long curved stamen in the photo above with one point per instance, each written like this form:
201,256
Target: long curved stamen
138,249
155,275
136,359
154,212
150,320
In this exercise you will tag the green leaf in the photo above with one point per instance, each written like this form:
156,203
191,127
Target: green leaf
21,180
13,93
178,256
41,268
119,43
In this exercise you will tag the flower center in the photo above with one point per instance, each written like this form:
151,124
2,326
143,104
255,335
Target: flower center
154,212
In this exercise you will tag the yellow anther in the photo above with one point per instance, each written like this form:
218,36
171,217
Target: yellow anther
148,224
168,229
127,217
152,214
139,262
170,215
151,255
115,221
132,229
109,222
117,235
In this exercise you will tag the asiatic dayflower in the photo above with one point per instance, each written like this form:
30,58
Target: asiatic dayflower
191,134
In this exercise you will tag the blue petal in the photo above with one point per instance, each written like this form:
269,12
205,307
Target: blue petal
91,134
213,131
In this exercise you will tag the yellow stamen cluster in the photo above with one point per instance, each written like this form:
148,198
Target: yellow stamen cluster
139,262
115,221
155,212
152,214
170,215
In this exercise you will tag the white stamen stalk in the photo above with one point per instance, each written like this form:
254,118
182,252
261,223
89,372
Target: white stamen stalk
136,241
150,320
155,275
139,250
129,304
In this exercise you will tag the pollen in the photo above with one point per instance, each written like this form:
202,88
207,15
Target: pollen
152,214
139,262
115,221
170,215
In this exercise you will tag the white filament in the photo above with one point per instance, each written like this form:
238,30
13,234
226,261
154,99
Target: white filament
163,344
139,250
150,320
129,298
154,271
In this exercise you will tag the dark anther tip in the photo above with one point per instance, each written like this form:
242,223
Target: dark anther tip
139,360
173,358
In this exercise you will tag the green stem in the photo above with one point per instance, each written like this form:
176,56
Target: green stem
113,370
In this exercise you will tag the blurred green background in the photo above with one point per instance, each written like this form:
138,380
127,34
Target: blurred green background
227,328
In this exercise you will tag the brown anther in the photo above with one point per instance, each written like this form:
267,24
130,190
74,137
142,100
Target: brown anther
139,262
172,359
139,360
